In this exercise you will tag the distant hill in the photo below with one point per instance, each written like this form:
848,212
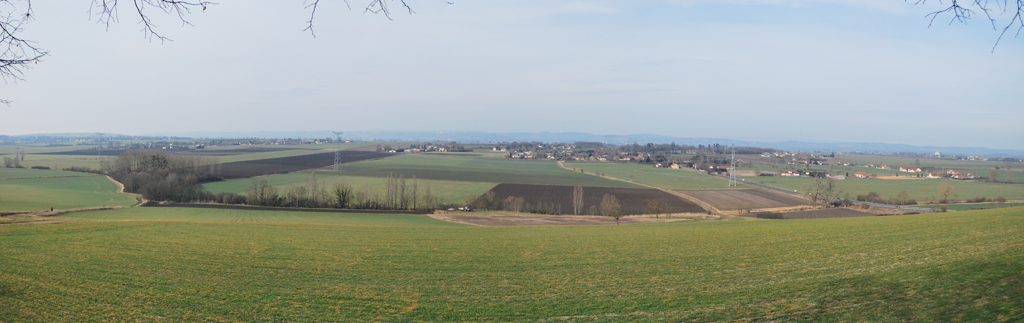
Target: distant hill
493,137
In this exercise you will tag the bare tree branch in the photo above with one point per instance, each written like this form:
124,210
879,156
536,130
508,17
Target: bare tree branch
375,6
107,12
16,53
962,13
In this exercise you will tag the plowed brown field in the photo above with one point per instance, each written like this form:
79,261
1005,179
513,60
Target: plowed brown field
283,165
731,200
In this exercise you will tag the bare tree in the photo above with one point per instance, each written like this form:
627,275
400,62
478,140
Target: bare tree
610,207
945,191
514,204
824,189
993,175
656,207
577,200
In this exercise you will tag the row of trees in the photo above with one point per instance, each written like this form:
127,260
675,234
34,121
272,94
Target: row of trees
163,177
399,194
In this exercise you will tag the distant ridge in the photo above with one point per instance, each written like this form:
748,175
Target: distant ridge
492,137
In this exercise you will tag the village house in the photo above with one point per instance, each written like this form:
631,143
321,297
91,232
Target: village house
883,166
959,175
674,166
860,175
910,169
934,175
790,173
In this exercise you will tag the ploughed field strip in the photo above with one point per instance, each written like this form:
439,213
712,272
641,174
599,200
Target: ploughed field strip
732,200
557,199
280,165
816,214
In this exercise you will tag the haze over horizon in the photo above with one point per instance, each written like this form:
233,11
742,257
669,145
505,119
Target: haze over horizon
754,70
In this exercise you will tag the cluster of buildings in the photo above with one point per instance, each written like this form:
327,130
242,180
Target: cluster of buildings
949,173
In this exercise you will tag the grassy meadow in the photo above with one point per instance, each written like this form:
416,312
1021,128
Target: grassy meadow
76,190
154,264
922,190
670,179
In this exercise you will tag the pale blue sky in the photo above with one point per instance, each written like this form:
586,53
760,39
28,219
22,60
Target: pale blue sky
751,70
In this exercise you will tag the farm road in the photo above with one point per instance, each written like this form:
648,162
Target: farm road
521,220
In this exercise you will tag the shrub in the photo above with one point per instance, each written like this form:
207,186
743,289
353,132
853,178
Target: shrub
40,167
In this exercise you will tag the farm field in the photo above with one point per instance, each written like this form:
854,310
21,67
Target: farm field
670,179
446,191
972,206
732,200
36,194
556,199
818,214
224,265
260,167
922,190
11,173
476,169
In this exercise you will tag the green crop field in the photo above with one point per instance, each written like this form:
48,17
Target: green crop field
922,190
35,194
451,177
475,169
157,264
670,179
12,173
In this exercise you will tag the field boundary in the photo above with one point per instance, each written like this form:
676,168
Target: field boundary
120,189
706,206
272,208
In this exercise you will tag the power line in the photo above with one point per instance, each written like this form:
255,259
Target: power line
337,152
732,169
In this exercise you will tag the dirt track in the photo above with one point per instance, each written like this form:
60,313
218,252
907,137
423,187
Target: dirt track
46,221
817,214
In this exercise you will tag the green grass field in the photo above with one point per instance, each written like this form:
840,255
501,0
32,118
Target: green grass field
922,190
476,169
671,179
35,194
11,173
154,264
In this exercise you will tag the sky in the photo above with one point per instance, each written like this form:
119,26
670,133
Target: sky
757,70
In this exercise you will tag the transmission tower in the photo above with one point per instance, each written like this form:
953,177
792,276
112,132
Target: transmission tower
732,169
337,152
99,148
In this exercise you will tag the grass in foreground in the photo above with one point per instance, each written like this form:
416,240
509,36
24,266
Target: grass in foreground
178,265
